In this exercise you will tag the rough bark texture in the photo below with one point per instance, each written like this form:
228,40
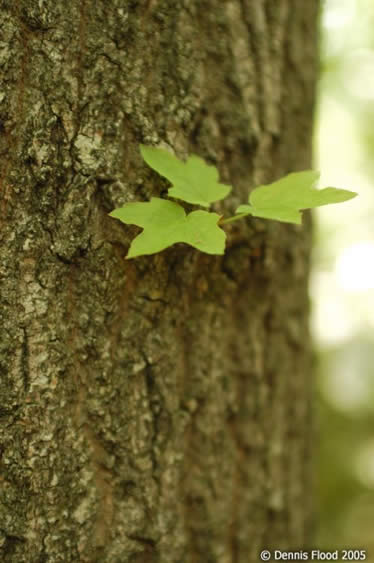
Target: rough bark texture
153,410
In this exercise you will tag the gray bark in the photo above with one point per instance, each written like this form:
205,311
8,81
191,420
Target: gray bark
157,409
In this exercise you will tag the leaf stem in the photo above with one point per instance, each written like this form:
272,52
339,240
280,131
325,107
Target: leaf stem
233,218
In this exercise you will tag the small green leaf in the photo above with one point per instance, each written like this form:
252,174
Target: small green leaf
283,200
193,181
165,223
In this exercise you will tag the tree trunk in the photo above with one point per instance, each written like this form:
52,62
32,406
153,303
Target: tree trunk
156,409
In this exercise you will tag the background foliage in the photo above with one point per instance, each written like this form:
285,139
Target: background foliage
343,282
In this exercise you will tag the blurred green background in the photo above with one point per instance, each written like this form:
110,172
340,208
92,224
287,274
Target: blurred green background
342,286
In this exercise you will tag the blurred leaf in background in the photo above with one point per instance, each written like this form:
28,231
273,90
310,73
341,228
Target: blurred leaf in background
342,285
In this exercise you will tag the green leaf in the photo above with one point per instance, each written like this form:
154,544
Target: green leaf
165,223
193,181
283,200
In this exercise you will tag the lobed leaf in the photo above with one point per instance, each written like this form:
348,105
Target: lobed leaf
193,181
166,223
285,199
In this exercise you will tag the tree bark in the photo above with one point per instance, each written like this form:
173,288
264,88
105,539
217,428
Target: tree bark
156,409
